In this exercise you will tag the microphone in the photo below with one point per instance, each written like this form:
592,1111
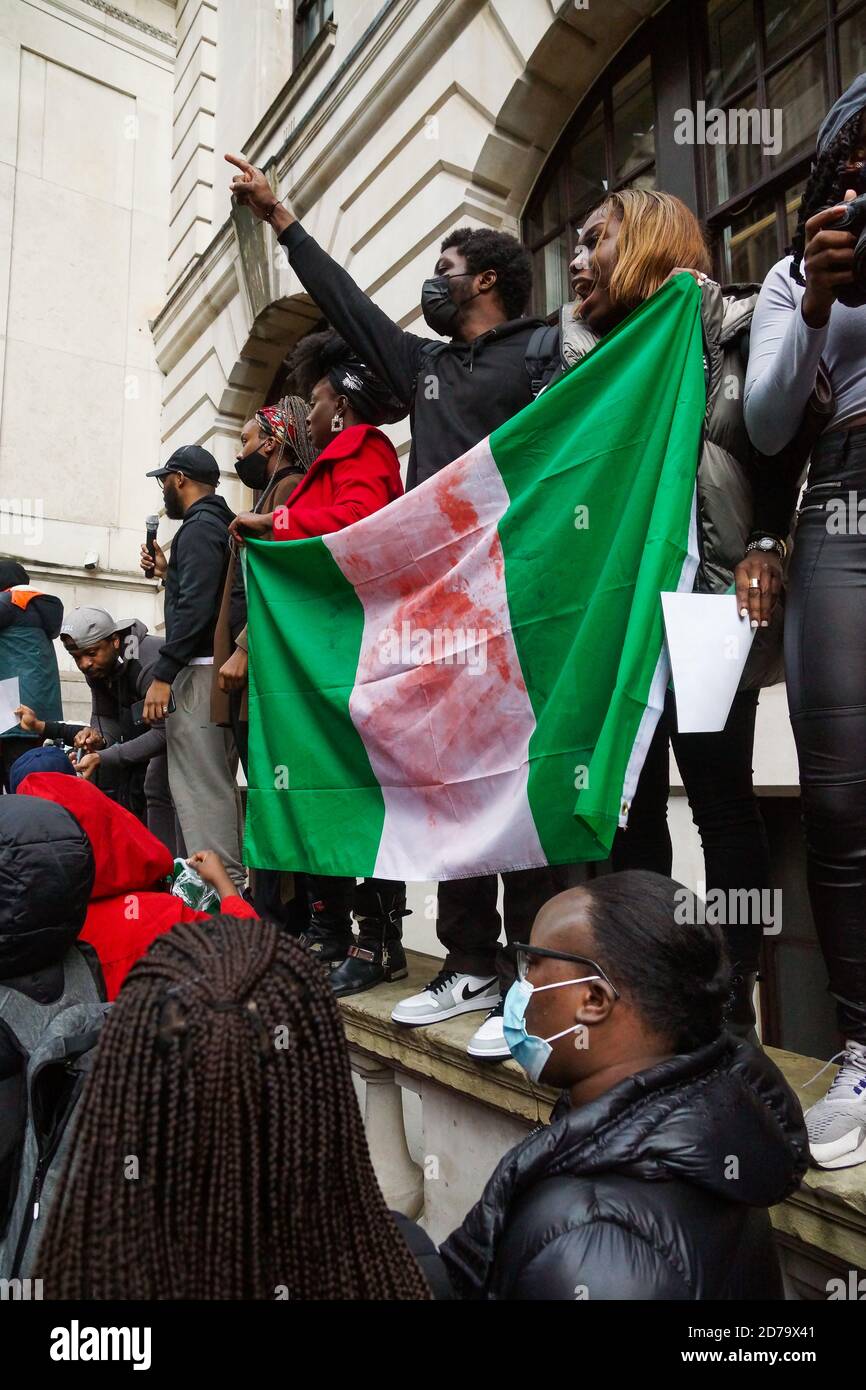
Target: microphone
152,524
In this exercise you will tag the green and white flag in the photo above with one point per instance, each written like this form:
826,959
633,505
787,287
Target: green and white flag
468,681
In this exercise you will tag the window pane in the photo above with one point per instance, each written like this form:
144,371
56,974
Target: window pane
547,211
308,14
587,168
786,22
550,276
553,209
731,48
633,121
792,207
645,180
749,244
852,47
800,93
733,167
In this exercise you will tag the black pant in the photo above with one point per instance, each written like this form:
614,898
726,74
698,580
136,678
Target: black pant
161,819
265,884
825,668
468,923
717,774
378,903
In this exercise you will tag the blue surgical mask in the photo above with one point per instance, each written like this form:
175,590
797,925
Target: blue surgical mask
530,1052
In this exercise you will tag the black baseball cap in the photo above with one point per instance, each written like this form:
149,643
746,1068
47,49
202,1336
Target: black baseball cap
192,460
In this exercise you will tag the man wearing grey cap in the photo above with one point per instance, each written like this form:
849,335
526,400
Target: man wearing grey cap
125,756
202,759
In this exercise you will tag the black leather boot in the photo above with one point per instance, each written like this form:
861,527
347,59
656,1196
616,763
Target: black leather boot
740,1009
328,933
379,954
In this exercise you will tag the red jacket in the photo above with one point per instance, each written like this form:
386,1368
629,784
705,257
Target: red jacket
128,910
357,474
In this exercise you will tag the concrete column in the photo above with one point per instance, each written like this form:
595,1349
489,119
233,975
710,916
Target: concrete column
400,1179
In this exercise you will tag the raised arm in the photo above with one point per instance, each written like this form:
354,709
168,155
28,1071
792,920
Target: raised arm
789,333
393,354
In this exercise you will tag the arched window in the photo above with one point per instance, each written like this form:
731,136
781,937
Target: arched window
769,69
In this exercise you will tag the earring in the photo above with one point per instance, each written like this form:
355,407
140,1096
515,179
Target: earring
337,422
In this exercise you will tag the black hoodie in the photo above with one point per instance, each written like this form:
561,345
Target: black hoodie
658,1189
457,392
194,584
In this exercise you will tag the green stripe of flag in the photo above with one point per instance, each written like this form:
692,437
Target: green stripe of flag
303,745
583,585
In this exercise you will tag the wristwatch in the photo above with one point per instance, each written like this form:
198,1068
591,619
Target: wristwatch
767,543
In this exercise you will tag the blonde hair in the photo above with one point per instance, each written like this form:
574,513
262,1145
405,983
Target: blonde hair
658,233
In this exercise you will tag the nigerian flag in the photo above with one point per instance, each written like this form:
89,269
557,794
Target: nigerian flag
468,681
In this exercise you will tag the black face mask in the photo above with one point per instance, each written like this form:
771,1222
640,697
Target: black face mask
253,470
439,310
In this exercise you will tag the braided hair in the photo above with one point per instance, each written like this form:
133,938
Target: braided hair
287,423
823,187
219,1151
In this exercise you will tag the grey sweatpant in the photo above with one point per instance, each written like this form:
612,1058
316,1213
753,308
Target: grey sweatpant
202,766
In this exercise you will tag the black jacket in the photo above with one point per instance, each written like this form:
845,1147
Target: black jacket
45,612
193,585
458,393
657,1190
46,876
46,873
112,699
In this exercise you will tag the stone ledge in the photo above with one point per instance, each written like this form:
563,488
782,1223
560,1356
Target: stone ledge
827,1213
438,1052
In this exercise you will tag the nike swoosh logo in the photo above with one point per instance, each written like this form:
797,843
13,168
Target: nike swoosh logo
474,993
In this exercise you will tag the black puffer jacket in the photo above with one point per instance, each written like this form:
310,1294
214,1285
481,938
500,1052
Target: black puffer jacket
46,873
657,1190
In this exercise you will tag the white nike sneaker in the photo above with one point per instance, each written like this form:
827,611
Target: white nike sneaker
837,1124
488,1041
450,994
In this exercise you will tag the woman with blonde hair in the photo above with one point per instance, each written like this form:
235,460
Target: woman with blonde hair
628,247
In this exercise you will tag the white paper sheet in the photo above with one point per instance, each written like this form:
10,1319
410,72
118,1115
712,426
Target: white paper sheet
10,699
708,643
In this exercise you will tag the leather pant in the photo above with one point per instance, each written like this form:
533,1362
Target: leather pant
825,669
717,775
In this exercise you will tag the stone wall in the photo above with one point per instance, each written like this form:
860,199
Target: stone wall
85,147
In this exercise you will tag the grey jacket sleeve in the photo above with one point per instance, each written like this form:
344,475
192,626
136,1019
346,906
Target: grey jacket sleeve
135,750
